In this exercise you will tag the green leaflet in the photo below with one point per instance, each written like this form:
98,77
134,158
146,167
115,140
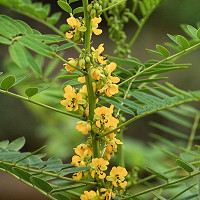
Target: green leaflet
35,45
186,166
60,196
158,174
16,145
65,6
40,183
17,53
31,91
8,82
53,19
21,174
4,40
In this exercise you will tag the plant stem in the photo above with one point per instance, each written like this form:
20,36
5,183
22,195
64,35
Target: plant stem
52,27
162,186
41,104
62,59
88,78
48,173
114,5
160,62
193,131
29,184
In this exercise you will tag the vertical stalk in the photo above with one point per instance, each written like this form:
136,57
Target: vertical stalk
88,78
120,150
193,131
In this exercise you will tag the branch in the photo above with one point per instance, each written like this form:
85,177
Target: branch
163,185
48,173
114,5
29,184
56,30
193,98
160,62
41,104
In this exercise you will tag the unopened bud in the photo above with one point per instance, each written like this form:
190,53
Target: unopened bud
81,62
93,13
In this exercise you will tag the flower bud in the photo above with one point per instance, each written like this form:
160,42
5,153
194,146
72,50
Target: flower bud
89,8
93,13
81,63
87,59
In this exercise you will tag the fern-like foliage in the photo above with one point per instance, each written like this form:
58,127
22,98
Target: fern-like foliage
48,177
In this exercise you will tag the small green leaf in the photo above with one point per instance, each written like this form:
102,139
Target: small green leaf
4,40
187,157
158,174
66,46
182,41
192,30
1,73
65,6
142,8
186,166
8,82
198,33
60,196
72,1
21,174
53,19
154,52
4,144
31,91
77,10
17,144
163,50
65,27
40,183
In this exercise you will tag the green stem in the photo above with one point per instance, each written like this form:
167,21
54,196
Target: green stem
162,186
88,78
114,5
29,184
41,104
120,150
48,173
165,172
141,25
52,27
160,62
62,59
193,131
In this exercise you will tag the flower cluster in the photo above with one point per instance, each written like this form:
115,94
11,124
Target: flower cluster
99,72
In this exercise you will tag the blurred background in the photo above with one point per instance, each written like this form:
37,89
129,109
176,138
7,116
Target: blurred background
39,126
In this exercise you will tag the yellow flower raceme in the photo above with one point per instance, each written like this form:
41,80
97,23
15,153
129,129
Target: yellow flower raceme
95,22
97,54
72,62
83,127
108,194
99,165
103,115
91,195
76,26
117,175
72,98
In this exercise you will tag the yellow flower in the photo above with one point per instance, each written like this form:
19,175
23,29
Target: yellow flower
76,26
72,98
117,175
97,54
83,150
96,72
110,68
72,62
81,79
108,194
77,161
99,165
83,127
111,147
77,175
95,22
103,115
111,89
91,195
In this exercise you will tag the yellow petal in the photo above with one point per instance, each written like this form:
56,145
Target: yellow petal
96,20
69,35
72,21
97,31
